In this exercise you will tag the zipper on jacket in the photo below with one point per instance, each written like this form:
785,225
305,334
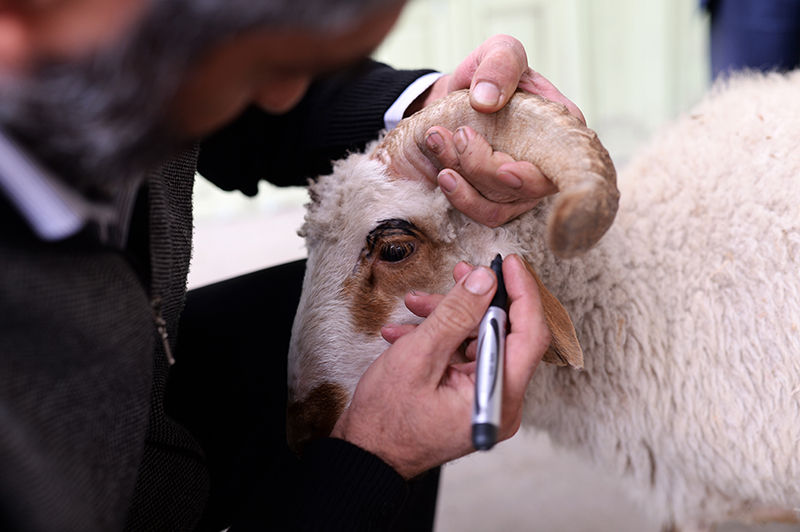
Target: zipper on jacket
161,326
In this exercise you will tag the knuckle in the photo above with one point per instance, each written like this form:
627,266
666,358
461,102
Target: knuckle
456,315
460,202
504,39
495,217
471,164
448,160
519,53
513,49
476,160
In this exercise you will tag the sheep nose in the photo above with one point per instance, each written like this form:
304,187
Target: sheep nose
314,415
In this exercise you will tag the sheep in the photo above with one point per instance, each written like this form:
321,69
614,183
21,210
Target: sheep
687,310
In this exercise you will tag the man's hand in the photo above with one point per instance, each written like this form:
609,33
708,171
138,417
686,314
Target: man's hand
412,406
488,186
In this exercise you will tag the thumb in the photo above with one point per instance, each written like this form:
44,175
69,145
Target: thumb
502,62
456,316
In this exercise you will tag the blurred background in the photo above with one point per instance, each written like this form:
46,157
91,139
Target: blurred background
631,66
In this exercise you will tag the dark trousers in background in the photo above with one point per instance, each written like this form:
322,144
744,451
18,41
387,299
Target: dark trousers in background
754,34
229,389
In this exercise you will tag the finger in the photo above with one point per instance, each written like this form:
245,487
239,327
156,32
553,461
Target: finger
529,336
494,175
530,181
471,351
537,84
422,304
440,148
453,320
393,332
468,200
478,161
461,269
492,72
467,368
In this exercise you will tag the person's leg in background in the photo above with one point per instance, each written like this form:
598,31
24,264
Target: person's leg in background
229,389
754,34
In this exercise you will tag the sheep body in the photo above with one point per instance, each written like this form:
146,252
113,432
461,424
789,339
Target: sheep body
688,310
689,315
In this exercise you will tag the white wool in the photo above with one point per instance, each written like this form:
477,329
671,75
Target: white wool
688,310
691,324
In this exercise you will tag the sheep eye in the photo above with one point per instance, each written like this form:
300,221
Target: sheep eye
396,251
392,241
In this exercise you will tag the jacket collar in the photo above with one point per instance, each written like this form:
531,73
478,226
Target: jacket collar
52,209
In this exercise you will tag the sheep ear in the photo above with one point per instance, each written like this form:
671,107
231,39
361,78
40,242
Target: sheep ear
564,350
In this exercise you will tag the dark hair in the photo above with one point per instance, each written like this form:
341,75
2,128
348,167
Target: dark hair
203,23
233,15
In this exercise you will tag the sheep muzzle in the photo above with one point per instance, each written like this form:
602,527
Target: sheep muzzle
314,416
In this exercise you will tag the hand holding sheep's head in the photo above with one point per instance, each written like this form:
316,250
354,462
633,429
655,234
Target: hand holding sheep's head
372,238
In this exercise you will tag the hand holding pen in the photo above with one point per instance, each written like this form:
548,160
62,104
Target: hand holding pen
412,407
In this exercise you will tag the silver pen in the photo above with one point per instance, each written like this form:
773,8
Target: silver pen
489,370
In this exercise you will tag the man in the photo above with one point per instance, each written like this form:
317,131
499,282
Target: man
95,252
753,34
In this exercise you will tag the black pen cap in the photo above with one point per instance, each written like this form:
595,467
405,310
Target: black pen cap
500,297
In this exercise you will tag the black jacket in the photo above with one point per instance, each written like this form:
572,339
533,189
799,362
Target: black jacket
85,442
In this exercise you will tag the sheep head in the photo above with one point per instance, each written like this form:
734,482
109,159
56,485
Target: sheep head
373,236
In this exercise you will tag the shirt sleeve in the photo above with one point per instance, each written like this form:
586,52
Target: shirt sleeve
340,114
397,111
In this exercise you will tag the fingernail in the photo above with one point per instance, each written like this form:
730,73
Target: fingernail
434,142
510,179
515,258
461,140
447,182
418,293
486,93
479,281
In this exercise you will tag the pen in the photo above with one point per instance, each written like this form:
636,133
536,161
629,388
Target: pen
489,370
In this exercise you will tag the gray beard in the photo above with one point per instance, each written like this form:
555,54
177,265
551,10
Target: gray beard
94,123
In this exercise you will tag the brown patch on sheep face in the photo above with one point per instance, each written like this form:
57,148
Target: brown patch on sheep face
314,416
398,257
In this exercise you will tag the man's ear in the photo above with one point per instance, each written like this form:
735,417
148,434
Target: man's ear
16,47
564,348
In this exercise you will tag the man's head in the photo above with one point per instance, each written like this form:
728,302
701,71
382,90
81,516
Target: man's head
107,107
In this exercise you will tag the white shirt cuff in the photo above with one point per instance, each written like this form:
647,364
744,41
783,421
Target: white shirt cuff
395,113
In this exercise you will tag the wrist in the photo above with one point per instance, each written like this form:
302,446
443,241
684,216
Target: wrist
386,451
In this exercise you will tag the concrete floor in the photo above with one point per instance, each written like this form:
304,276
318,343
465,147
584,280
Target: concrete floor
524,484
